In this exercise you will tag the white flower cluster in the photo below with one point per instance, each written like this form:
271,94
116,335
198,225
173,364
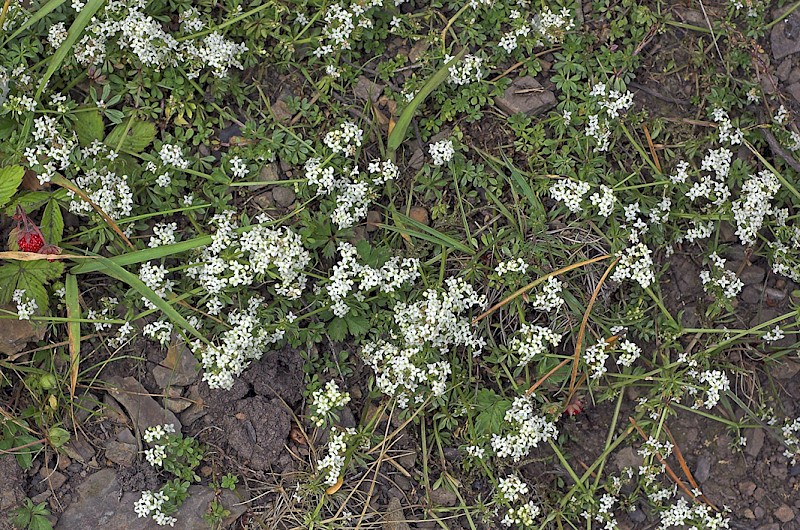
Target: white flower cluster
442,152
520,514
255,255
157,432
401,373
630,352
427,328
720,281
532,342
109,191
354,191
155,277
437,320
466,71
141,38
153,503
155,455
713,188
595,357
569,192
163,234
514,265
350,277
57,34
727,133
246,340
773,335
53,149
605,202
172,155
699,230
682,515
546,27
325,400
526,430
786,252
346,139
717,382
108,304
26,306
341,22
791,439
612,103
754,204
635,263
160,331
548,297
333,463
781,115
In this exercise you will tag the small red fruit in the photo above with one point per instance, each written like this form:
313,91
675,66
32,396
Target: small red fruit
29,237
575,407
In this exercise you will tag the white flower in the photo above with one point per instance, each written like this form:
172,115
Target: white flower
635,263
172,155
532,342
441,152
526,430
57,34
26,306
238,167
514,265
326,399
466,71
773,335
569,192
605,202
163,234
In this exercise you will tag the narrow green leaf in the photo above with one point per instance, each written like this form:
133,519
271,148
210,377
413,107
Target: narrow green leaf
398,134
115,271
139,135
73,327
38,15
10,179
52,224
75,31
426,233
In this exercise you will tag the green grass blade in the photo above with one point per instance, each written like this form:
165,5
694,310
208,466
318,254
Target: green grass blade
40,13
116,271
426,233
73,329
75,31
398,134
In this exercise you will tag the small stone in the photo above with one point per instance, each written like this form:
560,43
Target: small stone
52,479
627,457
175,402
126,436
527,96
748,514
78,448
775,295
784,513
416,160
747,488
269,173
121,453
784,369
394,518
16,334
794,90
755,441
419,214
84,405
785,37
752,275
443,497
281,111
197,409
42,497
759,494
179,368
703,469
374,218
367,90
751,295
784,69
283,196
113,411
759,512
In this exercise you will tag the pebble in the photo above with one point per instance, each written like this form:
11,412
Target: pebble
419,214
121,453
784,513
759,512
526,95
751,295
747,488
753,275
443,497
374,218
283,196
748,514
703,469
755,441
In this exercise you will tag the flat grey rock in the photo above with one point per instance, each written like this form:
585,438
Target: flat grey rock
142,408
527,96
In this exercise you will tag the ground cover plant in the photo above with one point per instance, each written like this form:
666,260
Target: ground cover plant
395,264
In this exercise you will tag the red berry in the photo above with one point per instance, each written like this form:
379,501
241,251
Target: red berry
30,242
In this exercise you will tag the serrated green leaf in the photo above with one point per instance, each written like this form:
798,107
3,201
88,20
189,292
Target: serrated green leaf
140,134
357,325
30,200
10,179
30,276
492,410
89,126
337,329
52,224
